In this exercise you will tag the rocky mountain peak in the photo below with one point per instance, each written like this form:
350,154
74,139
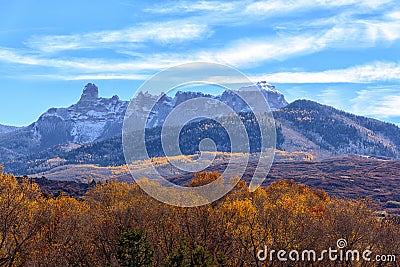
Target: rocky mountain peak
275,99
90,93
266,86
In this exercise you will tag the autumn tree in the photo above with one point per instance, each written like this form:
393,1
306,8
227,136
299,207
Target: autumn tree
38,230
20,218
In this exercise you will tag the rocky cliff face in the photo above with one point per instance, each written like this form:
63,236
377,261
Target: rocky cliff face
165,105
94,118
89,131
275,99
91,119
90,93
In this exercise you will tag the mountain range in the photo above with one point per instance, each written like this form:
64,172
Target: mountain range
90,130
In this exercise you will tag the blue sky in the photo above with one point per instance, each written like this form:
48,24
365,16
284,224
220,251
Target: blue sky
343,53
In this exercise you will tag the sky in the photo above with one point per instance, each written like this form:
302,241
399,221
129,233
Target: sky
343,53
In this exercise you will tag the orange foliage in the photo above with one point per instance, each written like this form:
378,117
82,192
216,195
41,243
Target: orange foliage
64,231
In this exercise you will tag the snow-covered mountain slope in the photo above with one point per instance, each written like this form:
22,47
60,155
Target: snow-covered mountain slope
94,118
165,105
7,129
91,119
275,99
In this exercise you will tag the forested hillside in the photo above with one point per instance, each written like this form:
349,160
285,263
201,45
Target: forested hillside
309,126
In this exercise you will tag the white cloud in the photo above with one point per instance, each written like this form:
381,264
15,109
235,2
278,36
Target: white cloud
379,71
88,77
243,53
248,52
346,32
332,97
193,6
380,102
395,15
279,6
249,9
240,54
353,24
168,32
313,35
85,65
383,30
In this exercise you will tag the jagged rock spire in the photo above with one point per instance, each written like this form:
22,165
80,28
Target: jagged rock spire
90,93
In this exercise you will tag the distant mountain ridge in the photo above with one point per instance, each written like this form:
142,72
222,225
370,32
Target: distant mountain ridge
302,126
94,119
325,131
90,131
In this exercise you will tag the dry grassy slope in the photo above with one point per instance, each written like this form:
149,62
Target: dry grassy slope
85,172
345,177
295,141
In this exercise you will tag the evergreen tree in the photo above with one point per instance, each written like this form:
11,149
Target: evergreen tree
134,249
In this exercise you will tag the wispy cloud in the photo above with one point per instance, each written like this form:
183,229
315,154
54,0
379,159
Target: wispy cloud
167,32
363,32
243,53
246,52
258,10
279,6
380,102
378,71
238,55
86,65
90,77
395,15
193,6
332,97
143,43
